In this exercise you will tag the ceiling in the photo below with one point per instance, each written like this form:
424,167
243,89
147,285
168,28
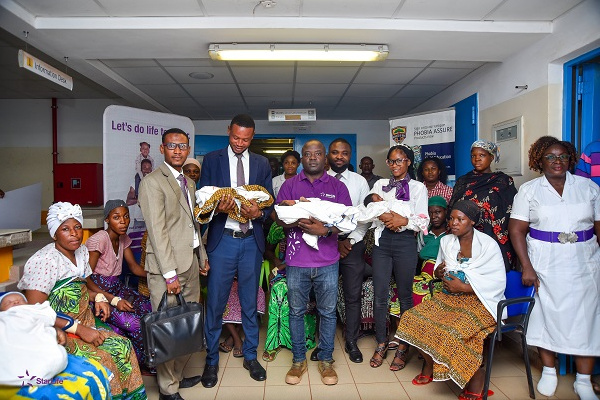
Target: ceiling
144,51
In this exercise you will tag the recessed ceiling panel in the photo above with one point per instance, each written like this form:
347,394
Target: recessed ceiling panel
151,8
62,8
351,9
440,76
182,74
413,90
532,10
463,10
387,75
324,89
161,91
267,89
325,74
359,90
265,74
147,75
206,90
130,63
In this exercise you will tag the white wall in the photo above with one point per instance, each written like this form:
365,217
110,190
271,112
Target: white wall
372,137
540,66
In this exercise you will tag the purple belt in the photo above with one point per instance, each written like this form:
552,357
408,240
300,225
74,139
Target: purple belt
562,237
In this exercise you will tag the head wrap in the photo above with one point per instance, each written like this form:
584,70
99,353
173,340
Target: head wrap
490,147
438,201
6,294
60,212
111,205
470,209
192,161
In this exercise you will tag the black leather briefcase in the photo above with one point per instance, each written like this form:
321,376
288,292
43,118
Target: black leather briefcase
173,332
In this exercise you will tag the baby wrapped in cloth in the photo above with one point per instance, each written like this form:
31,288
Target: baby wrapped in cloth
28,344
375,206
331,214
208,198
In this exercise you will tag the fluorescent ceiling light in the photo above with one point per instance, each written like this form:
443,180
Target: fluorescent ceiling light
275,151
297,52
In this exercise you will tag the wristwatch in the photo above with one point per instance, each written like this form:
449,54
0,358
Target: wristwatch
329,232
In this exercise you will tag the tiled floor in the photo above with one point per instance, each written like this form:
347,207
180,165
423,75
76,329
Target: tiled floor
356,381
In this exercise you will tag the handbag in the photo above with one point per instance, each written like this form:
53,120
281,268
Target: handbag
168,333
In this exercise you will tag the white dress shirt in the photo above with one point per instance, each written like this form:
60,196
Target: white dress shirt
233,162
359,189
277,182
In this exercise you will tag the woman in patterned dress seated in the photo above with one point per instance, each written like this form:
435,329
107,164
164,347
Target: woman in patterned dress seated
58,273
449,329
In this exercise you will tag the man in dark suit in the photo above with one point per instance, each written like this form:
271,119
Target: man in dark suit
173,246
235,248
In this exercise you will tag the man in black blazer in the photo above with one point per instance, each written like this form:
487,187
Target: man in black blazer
235,248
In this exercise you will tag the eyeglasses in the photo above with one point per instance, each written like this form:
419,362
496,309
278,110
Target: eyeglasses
397,161
172,146
551,158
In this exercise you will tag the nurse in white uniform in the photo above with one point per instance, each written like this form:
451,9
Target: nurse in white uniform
554,228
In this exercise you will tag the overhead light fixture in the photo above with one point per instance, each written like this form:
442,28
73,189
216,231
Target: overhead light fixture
280,151
297,52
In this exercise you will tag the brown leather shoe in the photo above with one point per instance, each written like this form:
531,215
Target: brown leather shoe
294,375
328,374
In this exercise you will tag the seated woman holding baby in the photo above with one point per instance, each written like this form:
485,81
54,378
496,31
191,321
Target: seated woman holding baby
449,330
58,273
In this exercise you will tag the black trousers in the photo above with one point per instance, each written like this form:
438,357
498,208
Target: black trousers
352,269
397,254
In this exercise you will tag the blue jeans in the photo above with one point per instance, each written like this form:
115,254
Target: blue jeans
324,280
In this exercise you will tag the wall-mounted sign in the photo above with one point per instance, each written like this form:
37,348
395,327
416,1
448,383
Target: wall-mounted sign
292,115
39,67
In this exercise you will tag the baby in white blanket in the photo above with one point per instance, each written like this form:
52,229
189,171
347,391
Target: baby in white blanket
28,341
374,206
331,214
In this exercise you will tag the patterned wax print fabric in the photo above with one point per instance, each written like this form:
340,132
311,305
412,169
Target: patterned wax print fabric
493,193
83,379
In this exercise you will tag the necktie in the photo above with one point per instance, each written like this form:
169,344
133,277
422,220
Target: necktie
338,176
241,180
184,189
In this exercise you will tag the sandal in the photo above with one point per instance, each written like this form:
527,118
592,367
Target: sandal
381,351
225,348
400,355
473,396
393,345
238,352
421,379
269,355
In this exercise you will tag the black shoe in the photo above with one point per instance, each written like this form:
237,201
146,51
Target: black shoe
257,372
174,396
314,356
209,376
353,352
190,382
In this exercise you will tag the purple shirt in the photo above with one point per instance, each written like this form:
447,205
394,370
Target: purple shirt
298,253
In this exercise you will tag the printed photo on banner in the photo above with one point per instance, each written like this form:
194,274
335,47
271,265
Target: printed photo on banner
132,139
429,135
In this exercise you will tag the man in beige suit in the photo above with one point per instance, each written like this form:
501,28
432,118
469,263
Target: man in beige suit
174,252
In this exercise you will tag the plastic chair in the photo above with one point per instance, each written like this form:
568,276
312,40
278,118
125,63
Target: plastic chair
519,302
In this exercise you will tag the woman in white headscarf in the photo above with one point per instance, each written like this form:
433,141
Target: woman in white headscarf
57,273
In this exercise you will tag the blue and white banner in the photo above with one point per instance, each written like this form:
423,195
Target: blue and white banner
131,150
429,134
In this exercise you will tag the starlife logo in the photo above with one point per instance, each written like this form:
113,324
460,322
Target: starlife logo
31,380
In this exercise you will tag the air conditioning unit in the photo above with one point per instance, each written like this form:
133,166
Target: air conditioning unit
292,114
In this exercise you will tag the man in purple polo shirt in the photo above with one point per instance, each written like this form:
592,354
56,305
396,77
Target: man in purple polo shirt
309,268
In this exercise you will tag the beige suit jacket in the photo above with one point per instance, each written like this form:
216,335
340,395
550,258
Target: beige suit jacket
169,222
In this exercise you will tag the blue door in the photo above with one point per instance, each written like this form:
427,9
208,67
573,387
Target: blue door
466,132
